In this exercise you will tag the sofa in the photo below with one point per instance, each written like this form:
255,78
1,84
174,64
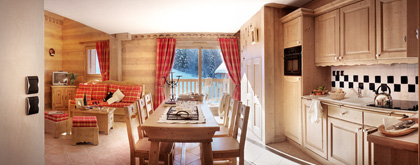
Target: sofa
97,91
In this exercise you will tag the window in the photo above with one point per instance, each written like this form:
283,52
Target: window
92,62
202,70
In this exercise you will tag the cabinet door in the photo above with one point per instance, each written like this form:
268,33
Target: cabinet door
391,28
327,37
57,97
357,27
345,142
314,134
293,33
292,111
70,94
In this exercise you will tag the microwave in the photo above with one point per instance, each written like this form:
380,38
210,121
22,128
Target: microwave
293,61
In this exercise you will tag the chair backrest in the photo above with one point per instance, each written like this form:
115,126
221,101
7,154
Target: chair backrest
241,123
224,103
132,126
230,115
142,114
149,103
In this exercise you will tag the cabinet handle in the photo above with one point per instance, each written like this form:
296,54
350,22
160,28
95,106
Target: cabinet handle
370,130
359,129
340,58
405,38
389,113
377,56
335,58
298,42
343,113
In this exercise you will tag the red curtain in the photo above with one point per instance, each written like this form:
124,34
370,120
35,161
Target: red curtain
165,56
102,49
229,48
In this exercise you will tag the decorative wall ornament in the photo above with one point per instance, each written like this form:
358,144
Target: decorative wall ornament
53,20
51,52
184,35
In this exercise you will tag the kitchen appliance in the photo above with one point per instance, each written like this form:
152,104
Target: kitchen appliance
383,99
293,61
401,105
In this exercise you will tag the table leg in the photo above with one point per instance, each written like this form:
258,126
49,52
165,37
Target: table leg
207,153
154,152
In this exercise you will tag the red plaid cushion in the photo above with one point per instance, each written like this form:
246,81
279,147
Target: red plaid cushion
56,117
132,93
80,93
85,86
114,87
119,105
99,91
90,102
84,121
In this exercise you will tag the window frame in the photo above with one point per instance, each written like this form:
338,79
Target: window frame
87,47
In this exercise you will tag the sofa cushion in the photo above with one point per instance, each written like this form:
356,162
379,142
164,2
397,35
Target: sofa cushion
99,91
90,102
84,86
132,93
85,121
119,105
114,87
80,93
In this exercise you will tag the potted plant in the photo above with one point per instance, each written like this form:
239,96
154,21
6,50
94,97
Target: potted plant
72,76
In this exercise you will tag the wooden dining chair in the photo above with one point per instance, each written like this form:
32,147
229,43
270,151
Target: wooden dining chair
142,113
230,147
140,146
228,120
224,102
149,103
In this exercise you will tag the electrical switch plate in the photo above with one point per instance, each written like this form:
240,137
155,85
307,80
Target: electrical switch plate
32,84
32,105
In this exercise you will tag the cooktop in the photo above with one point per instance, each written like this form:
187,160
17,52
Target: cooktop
401,105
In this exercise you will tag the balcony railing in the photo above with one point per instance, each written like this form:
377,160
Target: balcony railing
213,88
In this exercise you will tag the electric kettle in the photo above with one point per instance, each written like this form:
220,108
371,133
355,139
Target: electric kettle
383,99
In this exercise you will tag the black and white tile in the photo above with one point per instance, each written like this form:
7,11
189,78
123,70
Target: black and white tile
402,79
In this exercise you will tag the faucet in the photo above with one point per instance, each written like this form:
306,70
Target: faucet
358,92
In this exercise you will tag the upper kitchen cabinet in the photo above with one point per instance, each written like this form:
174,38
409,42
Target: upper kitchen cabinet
357,31
327,38
293,33
395,27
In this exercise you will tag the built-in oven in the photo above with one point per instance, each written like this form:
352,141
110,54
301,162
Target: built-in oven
293,61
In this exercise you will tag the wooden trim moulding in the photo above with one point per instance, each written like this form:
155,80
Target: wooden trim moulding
183,35
88,42
53,20
297,13
333,5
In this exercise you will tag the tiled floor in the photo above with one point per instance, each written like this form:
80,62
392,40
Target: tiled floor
114,149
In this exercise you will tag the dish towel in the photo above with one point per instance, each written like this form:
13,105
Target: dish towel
315,111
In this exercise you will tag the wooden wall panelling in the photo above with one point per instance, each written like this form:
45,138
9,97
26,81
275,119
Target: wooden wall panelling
74,52
52,39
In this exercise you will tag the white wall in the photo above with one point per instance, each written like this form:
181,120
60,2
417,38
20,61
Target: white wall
21,55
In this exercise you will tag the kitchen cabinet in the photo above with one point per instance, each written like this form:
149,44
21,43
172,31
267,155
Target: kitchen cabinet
292,112
293,33
314,134
345,142
327,38
357,32
395,28
61,96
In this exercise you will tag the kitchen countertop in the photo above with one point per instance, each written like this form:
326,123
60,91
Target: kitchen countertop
408,142
359,103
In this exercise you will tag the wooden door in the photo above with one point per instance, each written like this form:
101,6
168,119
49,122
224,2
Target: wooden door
292,111
254,94
391,28
327,37
293,33
345,142
314,134
357,31
57,98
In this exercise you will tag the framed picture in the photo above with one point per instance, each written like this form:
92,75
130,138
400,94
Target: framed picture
79,103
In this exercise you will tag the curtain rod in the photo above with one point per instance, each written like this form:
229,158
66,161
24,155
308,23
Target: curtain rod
86,42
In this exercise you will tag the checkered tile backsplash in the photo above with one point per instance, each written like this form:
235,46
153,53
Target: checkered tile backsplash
402,79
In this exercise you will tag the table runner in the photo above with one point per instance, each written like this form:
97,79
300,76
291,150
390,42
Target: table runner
201,118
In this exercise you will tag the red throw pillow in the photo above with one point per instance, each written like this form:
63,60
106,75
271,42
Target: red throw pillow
80,93
132,93
99,91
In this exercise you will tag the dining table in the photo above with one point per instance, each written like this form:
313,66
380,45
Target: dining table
158,132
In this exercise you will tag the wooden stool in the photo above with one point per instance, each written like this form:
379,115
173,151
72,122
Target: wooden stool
85,129
56,124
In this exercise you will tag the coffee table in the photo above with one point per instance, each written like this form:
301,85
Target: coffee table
105,118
